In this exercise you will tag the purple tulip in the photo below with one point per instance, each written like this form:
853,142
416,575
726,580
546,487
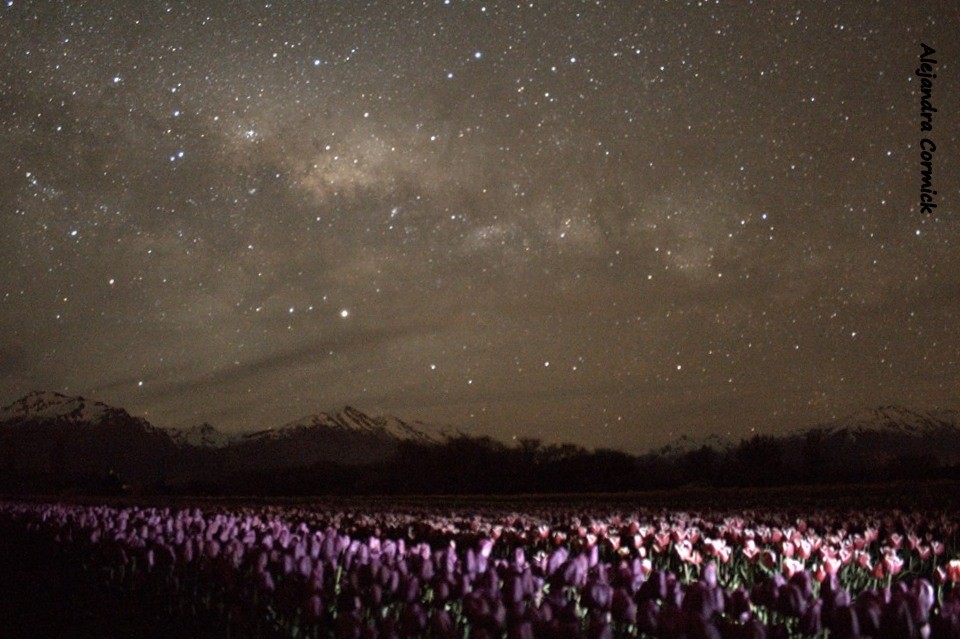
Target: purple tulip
409,589
622,606
810,620
349,626
767,592
754,629
648,617
738,604
926,597
413,620
475,606
265,581
598,595
655,587
671,621
313,608
700,628
897,621
697,601
521,630
598,629
869,608
442,625
845,623
513,590
709,575
557,558
791,601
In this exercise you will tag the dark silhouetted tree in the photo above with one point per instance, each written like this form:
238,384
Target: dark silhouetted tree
760,461
812,459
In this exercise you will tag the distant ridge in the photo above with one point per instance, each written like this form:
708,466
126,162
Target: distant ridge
54,440
202,436
691,443
52,405
893,428
49,433
893,420
351,420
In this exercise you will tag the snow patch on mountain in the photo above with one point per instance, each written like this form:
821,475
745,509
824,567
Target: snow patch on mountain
350,420
202,436
892,420
49,405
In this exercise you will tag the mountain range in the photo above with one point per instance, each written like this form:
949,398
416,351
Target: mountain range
53,439
348,421
47,434
877,435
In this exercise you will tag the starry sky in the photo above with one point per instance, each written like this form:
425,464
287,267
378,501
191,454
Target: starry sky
603,222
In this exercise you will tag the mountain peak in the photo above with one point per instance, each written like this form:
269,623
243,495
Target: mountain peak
351,420
40,404
203,436
891,419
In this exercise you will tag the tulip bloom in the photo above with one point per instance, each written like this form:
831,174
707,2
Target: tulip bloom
792,567
892,563
952,570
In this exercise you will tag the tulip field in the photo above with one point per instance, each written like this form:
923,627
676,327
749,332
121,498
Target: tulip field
512,570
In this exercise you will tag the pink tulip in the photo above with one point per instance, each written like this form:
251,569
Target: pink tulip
953,570
846,556
661,541
684,550
820,573
792,567
892,563
831,565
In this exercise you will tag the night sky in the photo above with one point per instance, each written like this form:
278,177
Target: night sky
580,221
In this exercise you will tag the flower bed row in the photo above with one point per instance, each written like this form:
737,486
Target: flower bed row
548,572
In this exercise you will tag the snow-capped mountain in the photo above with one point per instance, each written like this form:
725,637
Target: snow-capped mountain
347,436
48,434
351,420
202,436
893,429
52,440
887,441
75,439
48,405
893,420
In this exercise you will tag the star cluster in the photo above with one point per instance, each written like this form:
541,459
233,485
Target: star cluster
581,221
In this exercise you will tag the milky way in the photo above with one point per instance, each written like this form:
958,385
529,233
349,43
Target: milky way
571,220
